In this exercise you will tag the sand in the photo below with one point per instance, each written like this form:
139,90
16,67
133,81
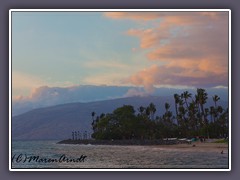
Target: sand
198,147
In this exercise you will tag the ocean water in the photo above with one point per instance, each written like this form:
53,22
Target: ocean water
105,156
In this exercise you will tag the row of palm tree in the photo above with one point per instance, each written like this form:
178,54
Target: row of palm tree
77,135
192,118
193,113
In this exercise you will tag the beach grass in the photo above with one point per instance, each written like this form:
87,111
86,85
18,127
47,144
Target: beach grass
221,141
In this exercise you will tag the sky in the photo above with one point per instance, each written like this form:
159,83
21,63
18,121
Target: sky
142,49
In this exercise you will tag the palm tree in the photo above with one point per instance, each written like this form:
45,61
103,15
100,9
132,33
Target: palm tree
215,99
202,99
192,116
141,109
177,100
167,106
75,135
220,109
72,135
185,95
78,135
212,111
85,135
102,115
206,111
152,109
147,111
93,114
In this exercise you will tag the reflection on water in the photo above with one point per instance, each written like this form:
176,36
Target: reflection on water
104,156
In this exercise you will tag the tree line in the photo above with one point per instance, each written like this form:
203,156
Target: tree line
191,119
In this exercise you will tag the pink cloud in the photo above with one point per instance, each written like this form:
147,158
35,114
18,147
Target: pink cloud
151,15
133,15
148,37
192,45
163,75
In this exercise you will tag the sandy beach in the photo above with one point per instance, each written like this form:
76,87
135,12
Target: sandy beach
198,147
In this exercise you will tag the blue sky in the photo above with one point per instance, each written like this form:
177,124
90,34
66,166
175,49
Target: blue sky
65,49
62,48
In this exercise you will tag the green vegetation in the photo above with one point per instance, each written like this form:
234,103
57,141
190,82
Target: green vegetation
221,141
191,119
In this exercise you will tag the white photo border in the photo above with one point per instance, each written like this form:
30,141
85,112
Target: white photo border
117,10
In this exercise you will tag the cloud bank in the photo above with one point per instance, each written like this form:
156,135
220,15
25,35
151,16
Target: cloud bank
186,48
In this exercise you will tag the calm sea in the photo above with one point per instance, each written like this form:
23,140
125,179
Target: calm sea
105,156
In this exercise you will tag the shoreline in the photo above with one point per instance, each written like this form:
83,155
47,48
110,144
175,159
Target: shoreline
172,142
119,142
163,145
